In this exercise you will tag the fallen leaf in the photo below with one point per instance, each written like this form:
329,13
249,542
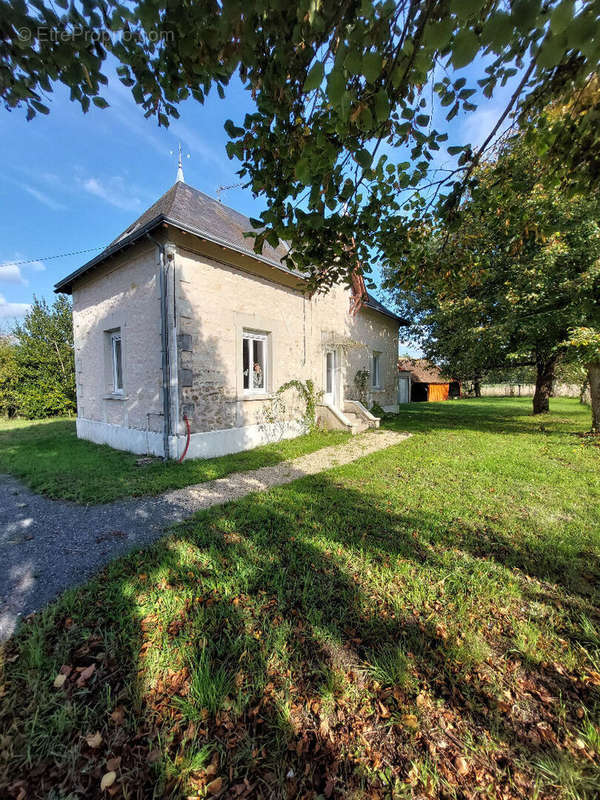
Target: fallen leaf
59,681
118,715
107,780
154,756
85,675
113,764
94,740
410,721
461,765
214,787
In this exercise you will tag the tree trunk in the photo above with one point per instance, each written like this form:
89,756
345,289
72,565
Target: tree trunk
582,390
543,386
477,386
594,379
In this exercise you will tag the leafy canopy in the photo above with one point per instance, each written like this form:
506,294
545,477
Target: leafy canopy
345,92
516,279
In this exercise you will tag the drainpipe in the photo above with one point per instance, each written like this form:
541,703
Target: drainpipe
164,337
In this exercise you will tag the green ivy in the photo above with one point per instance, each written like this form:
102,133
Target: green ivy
309,395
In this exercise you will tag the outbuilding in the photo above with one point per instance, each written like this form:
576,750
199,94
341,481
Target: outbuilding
421,381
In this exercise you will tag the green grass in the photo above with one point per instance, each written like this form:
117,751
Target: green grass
420,623
49,458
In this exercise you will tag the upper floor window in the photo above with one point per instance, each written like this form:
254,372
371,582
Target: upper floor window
254,356
376,371
117,361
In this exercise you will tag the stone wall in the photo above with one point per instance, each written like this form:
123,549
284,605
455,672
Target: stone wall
213,296
216,301
121,294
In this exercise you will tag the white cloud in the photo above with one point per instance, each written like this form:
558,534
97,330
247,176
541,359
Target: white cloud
113,191
12,310
44,198
11,273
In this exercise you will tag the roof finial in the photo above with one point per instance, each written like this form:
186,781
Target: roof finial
180,167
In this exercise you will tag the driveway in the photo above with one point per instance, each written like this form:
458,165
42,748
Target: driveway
47,546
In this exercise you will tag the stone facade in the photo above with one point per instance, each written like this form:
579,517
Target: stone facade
214,295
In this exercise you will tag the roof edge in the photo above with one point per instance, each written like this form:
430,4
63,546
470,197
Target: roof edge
66,284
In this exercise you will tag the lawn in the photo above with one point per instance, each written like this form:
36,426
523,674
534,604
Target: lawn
49,458
420,623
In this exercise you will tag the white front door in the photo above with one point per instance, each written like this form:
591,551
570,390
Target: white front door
330,396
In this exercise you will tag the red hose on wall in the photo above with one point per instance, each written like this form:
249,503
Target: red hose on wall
187,443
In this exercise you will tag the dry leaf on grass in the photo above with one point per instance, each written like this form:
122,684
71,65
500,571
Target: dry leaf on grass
59,681
214,787
118,715
107,780
461,765
85,675
410,721
94,740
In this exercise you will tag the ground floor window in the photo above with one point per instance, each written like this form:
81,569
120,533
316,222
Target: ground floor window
376,371
117,361
254,356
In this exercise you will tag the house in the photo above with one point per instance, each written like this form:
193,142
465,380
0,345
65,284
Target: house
420,380
183,334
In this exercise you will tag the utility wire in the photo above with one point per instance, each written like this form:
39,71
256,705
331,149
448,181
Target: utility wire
49,258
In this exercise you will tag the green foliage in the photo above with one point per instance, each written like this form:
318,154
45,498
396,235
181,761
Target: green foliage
504,280
9,377
377,410
44,359
361,382
332,83
309,395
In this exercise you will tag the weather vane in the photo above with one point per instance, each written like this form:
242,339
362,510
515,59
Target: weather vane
179,164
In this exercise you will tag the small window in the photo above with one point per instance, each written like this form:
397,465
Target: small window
117,362
254,356
376,371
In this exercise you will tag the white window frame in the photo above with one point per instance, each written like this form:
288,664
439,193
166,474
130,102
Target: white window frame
252,337
376,370
114,338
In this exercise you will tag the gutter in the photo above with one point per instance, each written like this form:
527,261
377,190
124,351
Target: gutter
164,337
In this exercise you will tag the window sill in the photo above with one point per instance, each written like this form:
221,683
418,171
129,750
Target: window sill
377,389
266,396
114,396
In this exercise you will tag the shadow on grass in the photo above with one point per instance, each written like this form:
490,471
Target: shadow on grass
245,650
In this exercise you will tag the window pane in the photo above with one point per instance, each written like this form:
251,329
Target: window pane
375,370
329,373
246,359
118,365
258,371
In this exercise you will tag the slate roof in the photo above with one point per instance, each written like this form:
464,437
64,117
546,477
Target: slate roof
422,371
197,213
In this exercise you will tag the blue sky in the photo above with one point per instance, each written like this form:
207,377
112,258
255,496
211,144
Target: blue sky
73,181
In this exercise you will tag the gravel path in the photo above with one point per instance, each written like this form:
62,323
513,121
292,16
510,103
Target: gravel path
47,545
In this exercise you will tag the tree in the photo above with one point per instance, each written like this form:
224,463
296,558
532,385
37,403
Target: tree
503,282
584,344
572,370
341,141
9,380
45,361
